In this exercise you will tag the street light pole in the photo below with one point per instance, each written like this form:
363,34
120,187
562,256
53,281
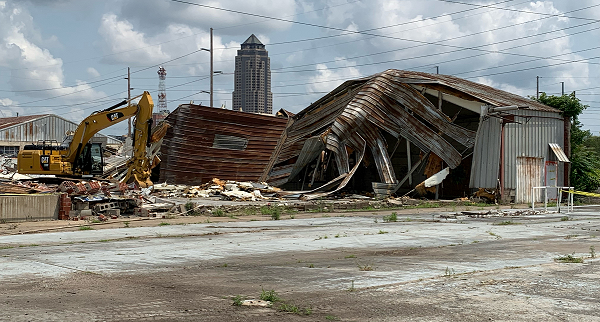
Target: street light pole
211,67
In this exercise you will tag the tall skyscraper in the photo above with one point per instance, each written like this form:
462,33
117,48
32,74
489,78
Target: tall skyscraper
252,91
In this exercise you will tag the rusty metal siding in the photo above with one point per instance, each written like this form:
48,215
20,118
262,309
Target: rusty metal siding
188,155
40,127
530,138
485,166
28,207
529,174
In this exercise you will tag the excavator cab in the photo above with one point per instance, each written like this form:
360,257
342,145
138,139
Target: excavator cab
90,161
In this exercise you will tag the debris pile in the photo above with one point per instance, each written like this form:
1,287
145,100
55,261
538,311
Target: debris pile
227,190
501,213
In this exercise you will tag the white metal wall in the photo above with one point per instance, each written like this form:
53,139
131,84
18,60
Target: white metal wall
530,138
49,127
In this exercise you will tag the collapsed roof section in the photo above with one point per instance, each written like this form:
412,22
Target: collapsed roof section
352,121
205,143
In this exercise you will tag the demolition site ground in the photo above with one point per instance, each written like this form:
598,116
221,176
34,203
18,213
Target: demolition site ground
400,265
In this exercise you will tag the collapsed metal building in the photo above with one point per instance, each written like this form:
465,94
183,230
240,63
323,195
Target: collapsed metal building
203,143
388,132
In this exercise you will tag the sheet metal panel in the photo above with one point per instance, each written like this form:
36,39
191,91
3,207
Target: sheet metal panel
530,137
188,155
558,152
485,166
529,174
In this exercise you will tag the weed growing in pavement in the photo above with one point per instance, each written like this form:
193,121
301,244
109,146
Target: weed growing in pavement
365,267
382,232
331,318
391,218
506,223
350,256
232,216
191,210
238,300
570,236
273,211
311,266
569,259
292,217
218,212
352,289
96,221
224,265
126,223
592,252
291,308
375,220
449,271
493,234
6,247
270,296
250,211
86,228
564,218
164,224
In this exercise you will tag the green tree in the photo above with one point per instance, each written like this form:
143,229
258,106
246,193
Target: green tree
585,162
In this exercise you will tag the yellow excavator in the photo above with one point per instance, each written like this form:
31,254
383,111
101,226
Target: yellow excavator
78,157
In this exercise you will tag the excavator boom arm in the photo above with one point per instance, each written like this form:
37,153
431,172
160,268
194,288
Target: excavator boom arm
109,117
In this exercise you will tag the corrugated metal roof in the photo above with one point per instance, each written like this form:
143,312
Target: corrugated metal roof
558,152
459,87
190,155
357,113
6,122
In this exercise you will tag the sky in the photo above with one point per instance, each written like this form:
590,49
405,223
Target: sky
70,57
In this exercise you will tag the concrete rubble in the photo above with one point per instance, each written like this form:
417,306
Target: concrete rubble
227,190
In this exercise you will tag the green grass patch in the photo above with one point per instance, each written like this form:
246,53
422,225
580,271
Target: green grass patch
237,300
218,212
270,296
569,259
391,218
164,224
86,228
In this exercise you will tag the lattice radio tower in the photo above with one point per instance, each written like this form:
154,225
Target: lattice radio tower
162,92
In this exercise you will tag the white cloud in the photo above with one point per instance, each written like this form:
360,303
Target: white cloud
93,72
124,44
131,46
9,107
33,69
155,15
327,79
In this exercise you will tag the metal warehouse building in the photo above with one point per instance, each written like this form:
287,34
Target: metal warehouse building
16,132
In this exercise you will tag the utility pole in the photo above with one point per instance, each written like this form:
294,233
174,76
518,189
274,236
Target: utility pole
563,88
211,67
537,87
128,99
437,69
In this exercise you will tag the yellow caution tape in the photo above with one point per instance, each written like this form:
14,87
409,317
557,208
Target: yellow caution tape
583,193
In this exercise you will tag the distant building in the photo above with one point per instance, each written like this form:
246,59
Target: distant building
16,132
252,91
